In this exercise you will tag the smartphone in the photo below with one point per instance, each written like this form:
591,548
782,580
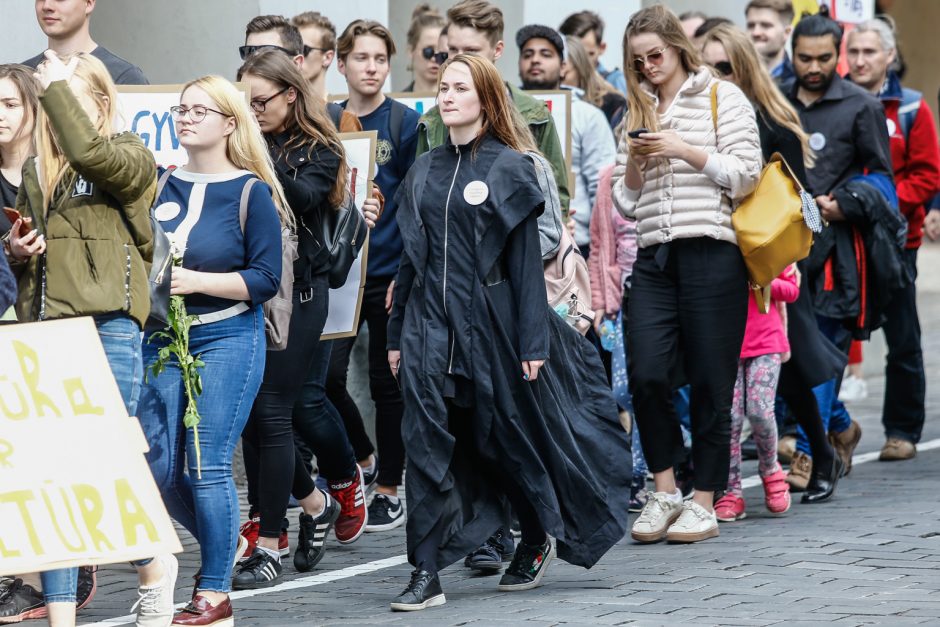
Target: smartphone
13,215
636,134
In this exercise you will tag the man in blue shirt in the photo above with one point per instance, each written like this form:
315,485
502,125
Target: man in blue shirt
364,52
769,23
589,28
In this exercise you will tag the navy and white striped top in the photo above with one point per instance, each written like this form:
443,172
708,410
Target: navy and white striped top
199,213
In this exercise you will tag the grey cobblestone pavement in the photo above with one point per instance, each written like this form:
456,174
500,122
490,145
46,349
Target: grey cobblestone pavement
870,556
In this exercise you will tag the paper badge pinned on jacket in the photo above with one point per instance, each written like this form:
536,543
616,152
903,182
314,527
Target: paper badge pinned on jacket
167,211
817,141
476,193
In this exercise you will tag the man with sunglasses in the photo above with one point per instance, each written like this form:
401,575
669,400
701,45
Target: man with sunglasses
319,38
274,32
476,27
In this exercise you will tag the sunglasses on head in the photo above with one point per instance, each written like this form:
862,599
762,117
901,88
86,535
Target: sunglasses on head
724,68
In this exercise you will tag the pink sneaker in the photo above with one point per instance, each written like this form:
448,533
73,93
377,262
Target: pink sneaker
730,508
776,492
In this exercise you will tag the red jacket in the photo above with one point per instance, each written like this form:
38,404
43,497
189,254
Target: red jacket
915,158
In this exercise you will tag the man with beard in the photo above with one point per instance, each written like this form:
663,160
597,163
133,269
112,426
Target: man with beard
769,23
848,133
541,63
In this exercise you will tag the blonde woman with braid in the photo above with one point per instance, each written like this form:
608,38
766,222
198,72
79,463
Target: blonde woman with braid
228,270
678,179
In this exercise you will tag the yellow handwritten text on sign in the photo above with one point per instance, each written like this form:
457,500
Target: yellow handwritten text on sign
75,487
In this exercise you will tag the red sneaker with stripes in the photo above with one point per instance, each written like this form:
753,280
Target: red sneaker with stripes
354,516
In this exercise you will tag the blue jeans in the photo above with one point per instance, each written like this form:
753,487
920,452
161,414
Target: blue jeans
207,506
120,338
835,417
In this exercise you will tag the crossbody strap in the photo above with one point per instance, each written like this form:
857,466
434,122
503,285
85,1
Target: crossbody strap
161,183
714,99
243,203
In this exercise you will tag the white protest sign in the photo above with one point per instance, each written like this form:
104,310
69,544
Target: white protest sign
75,487
346,302
852,11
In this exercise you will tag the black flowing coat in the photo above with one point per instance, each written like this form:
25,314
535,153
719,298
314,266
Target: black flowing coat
558,436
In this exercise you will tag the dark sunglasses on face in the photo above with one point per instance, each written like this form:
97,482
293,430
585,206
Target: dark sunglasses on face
724,68
427,52
246,51
440,57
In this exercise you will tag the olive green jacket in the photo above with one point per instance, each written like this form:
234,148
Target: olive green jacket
99,242
432,133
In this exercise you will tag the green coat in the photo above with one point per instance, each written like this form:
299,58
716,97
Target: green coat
432,133
99,242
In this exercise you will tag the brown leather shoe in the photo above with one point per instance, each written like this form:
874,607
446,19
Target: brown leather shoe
896,449
786,448
800,470
201,612
845,442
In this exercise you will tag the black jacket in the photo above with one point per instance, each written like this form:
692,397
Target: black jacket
856,265
559,435
307,176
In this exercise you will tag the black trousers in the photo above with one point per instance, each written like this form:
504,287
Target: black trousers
689,297
269,432
905,384
384,388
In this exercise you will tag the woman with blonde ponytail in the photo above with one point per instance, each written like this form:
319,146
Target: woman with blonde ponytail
82,248
228,267
680,170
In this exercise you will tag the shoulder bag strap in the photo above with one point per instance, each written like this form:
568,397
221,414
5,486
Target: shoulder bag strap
243,203
161,183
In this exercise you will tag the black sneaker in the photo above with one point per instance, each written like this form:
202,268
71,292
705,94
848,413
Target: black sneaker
528,567
312,535
489,558
19,602
638,494
87,586
370,479
258,571
423,591
384,515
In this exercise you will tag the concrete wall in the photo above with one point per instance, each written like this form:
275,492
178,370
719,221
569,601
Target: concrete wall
22,38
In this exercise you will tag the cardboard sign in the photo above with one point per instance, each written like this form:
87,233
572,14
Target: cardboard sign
75,488
851,11
346,302
145,110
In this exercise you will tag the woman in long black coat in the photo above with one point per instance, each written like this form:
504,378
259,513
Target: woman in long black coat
502,398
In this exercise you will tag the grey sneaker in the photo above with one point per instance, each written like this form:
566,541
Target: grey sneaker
658,513
154,605
694,524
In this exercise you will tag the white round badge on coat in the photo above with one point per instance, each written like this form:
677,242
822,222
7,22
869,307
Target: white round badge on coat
167,211
817,141
476,193
892,127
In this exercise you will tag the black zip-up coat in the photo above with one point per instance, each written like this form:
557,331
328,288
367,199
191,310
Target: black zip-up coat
470,304
307,176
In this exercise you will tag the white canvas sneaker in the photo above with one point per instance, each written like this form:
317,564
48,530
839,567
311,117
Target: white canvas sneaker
154,606
659,512
694,525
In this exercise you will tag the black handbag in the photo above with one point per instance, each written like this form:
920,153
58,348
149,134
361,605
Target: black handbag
344,233
162,265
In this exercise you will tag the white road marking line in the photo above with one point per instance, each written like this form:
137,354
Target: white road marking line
371,567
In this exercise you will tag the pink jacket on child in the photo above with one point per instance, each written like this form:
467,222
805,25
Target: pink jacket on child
766,334
613,248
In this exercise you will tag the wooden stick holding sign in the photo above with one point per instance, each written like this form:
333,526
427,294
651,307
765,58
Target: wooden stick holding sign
346,302
75,488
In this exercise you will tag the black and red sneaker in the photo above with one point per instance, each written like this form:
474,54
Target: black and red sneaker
353,516
251,529
87,586
527,567
19,602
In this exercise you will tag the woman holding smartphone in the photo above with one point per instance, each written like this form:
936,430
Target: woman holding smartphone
689,290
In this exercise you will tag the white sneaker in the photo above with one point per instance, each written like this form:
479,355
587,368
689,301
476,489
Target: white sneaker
694,525
155,603
853,389
659,512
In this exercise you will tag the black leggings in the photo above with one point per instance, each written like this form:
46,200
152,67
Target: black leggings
384,388
269,432
803,405
461,422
